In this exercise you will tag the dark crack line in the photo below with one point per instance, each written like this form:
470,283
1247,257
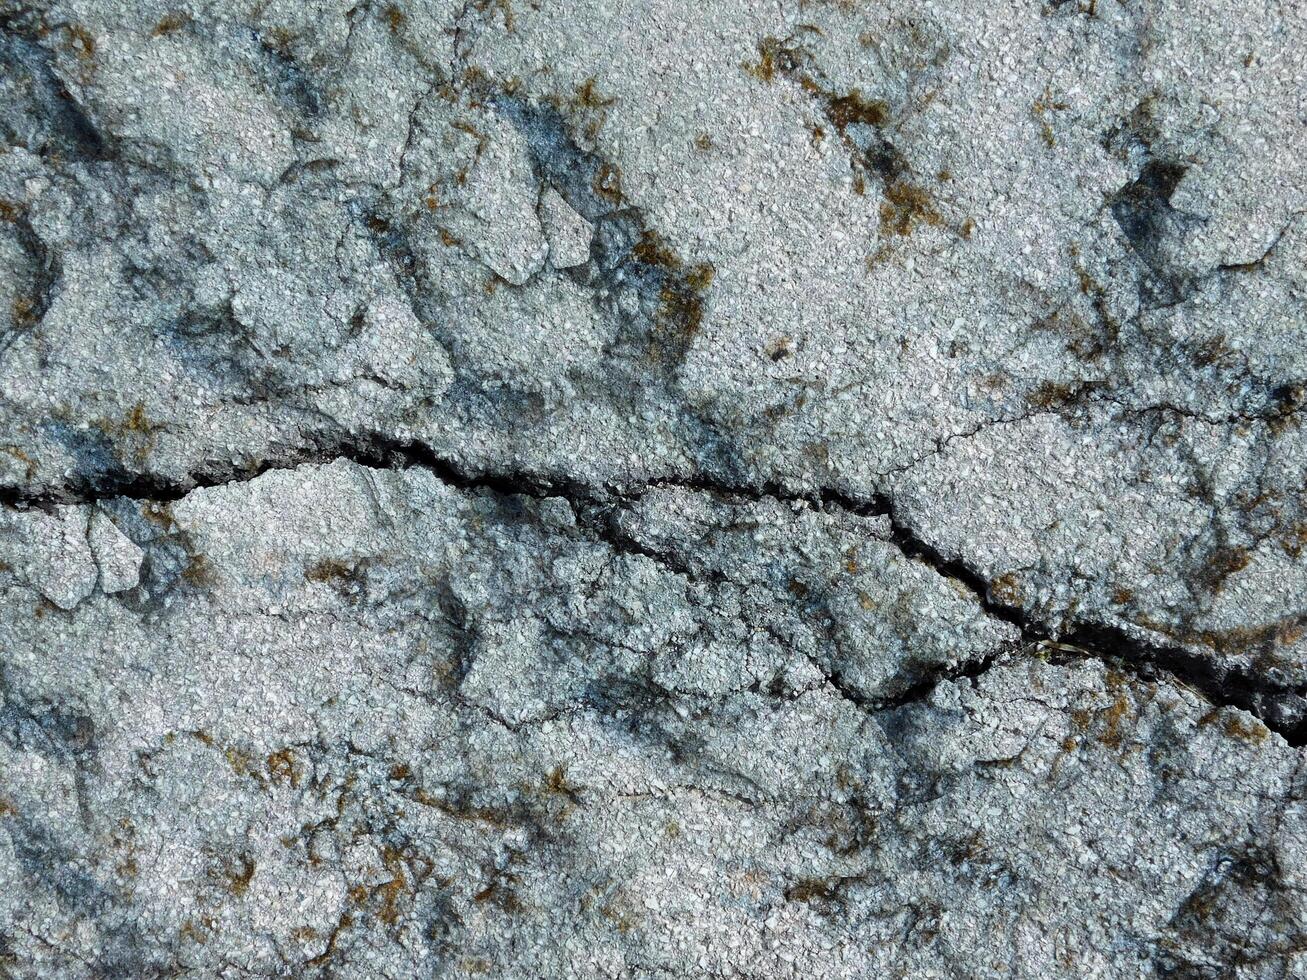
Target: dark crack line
1282,708
969,670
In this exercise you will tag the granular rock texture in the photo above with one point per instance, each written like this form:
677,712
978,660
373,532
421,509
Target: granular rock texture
640,488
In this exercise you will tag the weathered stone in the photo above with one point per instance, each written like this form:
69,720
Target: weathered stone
604,489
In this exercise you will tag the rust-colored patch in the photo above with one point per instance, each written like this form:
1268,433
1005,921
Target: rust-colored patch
1223,563
160,515
556,783
607,183
1040,110
170,23
281,767
853,108
1051,394
809,890
191,931
680,313
241,762
772,56
239,878
1250,730
588,97
83,41
651,249
24,311
906,205
392,890
199,572
1006,589
327,570
499,895
137,421
700,277
1113,716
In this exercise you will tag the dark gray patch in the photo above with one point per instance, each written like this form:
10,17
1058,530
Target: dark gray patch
1145,215
36,110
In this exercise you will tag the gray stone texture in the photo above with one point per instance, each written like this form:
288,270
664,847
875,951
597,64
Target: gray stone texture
638,488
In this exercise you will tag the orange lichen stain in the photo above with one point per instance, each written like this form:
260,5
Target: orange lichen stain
327,570
700,277
1042,106
1113,716
191,931
238,880
24,311
241,762
588,97
199,572
764,69
905,206
607,183
281,767
392,890
1234,724
651,249
170,23
1006,589
83,41
853,109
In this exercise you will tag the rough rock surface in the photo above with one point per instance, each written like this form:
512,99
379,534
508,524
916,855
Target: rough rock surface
638,488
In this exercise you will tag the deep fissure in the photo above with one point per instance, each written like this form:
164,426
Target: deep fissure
1281,708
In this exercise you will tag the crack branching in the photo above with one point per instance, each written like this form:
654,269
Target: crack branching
1282,708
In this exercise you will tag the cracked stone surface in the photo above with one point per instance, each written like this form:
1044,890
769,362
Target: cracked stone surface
648,489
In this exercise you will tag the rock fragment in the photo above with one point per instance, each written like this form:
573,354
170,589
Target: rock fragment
568,233
55,554
118,557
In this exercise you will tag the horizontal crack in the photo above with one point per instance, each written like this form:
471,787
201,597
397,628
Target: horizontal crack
371,450
919,691
1282,708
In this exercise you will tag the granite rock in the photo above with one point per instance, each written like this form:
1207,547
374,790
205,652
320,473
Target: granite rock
602,489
